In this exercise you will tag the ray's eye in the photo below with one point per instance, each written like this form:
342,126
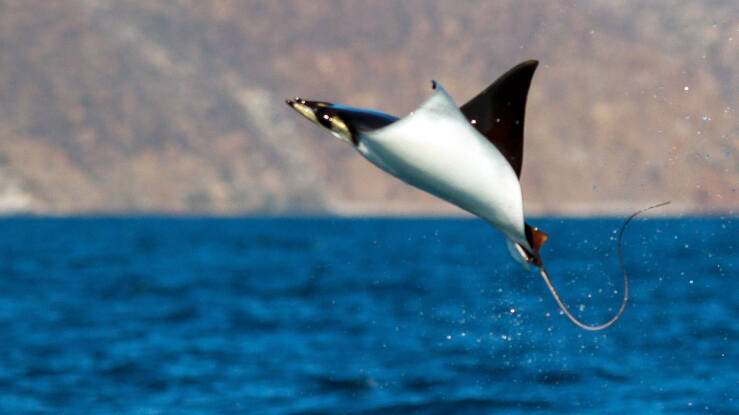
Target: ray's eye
324,118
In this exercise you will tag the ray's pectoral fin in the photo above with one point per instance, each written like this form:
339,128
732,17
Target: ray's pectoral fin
498,112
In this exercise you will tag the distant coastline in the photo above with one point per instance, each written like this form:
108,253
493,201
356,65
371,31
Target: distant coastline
130,108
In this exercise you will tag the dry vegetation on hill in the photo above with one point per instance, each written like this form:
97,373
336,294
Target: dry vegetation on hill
121,106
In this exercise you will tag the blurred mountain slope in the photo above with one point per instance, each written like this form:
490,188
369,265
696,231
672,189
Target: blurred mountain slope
124,106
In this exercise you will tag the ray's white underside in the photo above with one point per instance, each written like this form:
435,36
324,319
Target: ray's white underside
435,148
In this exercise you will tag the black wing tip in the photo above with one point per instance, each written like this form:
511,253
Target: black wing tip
525,66
528,64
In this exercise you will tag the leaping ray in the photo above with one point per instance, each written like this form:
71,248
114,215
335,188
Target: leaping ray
469,156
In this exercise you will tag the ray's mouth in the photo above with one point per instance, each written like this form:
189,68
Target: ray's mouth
315,111
304,107
314,105
294,101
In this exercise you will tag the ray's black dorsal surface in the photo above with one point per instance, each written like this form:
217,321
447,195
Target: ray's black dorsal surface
498,111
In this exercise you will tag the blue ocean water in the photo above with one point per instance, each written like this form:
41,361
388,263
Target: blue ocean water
372,316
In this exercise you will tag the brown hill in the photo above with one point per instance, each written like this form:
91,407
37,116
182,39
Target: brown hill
121,106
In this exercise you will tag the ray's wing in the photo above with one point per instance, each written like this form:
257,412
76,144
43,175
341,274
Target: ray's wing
363,120
498,112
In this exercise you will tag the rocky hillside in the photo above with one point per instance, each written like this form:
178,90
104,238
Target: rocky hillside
177,107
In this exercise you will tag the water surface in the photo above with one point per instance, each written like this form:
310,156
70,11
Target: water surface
263,316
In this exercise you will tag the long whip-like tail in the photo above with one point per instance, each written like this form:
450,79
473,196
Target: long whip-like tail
625,299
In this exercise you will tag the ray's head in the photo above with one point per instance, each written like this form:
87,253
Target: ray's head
325,115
